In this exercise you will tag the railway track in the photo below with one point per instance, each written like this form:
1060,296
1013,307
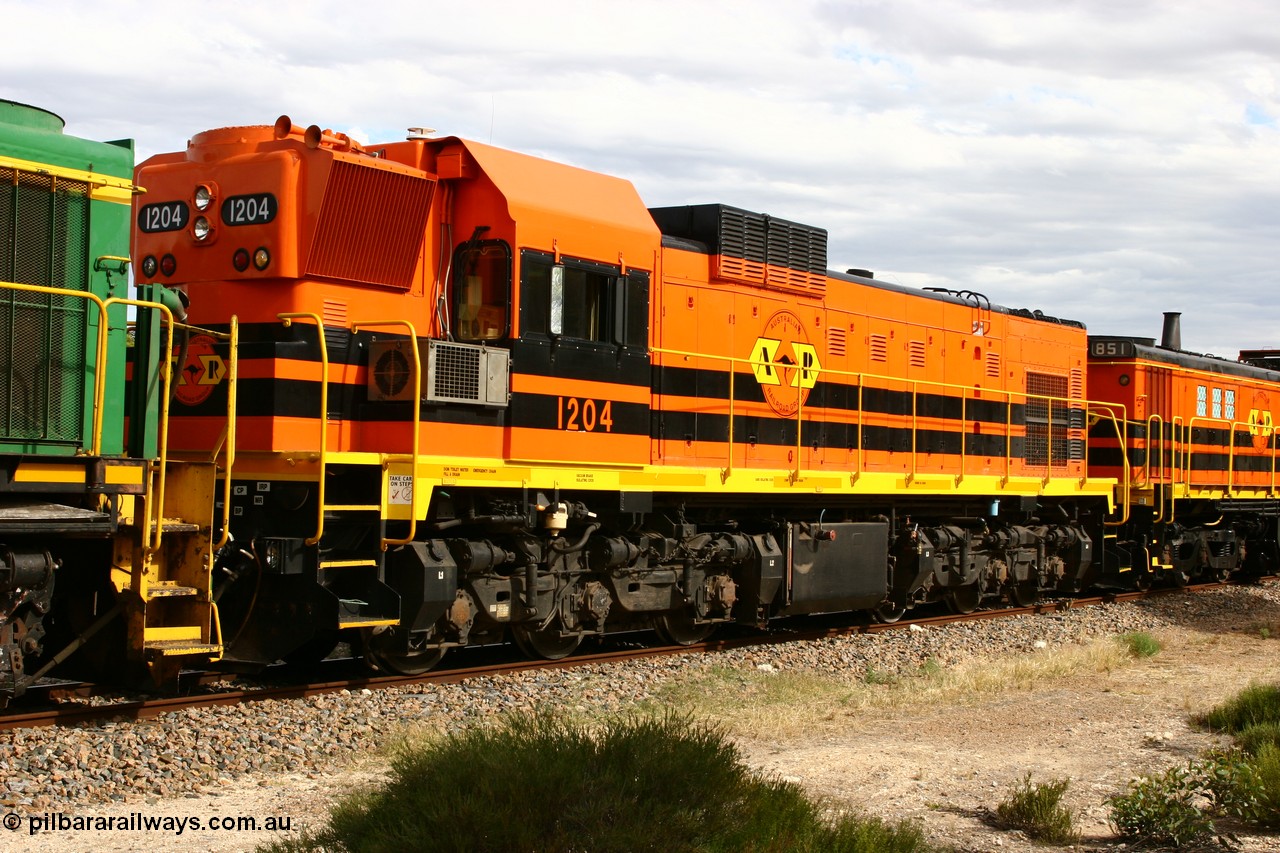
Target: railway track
68,708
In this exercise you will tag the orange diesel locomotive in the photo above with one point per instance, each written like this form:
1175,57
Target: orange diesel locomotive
1197,450
483,395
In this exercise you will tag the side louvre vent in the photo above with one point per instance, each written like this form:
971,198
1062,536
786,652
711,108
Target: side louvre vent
371,227
993,365
837,341
878,348
1076,415
916,353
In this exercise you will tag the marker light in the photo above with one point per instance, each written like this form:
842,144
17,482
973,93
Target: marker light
203,197
261,258
201,228
168,265
240,260
149,266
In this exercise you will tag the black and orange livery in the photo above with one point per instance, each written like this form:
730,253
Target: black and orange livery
1197,449
479,394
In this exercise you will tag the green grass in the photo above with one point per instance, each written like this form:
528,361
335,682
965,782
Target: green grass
1181,805
1037,810
1253,738
1141,644
1266,765
630,784
1258,704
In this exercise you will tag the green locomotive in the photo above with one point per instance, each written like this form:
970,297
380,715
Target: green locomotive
100,536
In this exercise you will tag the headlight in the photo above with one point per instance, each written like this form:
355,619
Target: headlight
201,228
203,197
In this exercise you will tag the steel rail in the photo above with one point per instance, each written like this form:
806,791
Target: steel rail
77,713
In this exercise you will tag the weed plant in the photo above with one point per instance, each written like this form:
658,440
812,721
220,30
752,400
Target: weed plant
1266,767
1038,811
546,784
1141,644
1164,809
1253,738
1179,806
1256,705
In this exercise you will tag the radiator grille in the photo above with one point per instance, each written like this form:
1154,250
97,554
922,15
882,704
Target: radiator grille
1045,434
753,248
44,232
372,223
743,245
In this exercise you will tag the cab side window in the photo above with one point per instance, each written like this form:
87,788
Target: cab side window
584,301
481,290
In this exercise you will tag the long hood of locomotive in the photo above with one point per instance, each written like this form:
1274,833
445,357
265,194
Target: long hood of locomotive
756,369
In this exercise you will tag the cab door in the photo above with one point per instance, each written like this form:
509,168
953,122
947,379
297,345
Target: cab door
580,363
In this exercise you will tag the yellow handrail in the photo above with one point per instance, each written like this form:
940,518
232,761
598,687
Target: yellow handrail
1122,433
415,383
232,372
100,373
728,469
1178,428
157,510
287,319
859,380
1158,484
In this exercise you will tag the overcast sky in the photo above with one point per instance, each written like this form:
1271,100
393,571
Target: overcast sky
1098,160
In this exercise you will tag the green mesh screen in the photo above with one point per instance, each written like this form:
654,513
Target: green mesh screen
44,232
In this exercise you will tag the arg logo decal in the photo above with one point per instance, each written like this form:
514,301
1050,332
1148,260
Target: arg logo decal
785,363
203,370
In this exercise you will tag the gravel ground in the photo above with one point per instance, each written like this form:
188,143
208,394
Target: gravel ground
123,765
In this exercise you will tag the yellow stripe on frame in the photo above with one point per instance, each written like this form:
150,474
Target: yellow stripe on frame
125,475
48,472
101,187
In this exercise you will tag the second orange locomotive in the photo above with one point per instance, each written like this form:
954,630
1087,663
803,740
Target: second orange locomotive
478,394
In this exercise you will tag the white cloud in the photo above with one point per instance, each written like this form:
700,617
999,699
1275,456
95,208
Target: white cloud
1098,161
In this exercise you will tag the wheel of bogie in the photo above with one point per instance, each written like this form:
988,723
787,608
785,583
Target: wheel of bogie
964,599
889,612
1024,593
679,629
383,651
546,643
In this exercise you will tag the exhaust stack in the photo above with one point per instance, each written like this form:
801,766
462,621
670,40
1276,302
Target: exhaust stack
1172,335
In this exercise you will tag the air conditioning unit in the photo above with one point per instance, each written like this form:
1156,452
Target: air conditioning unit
451,373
